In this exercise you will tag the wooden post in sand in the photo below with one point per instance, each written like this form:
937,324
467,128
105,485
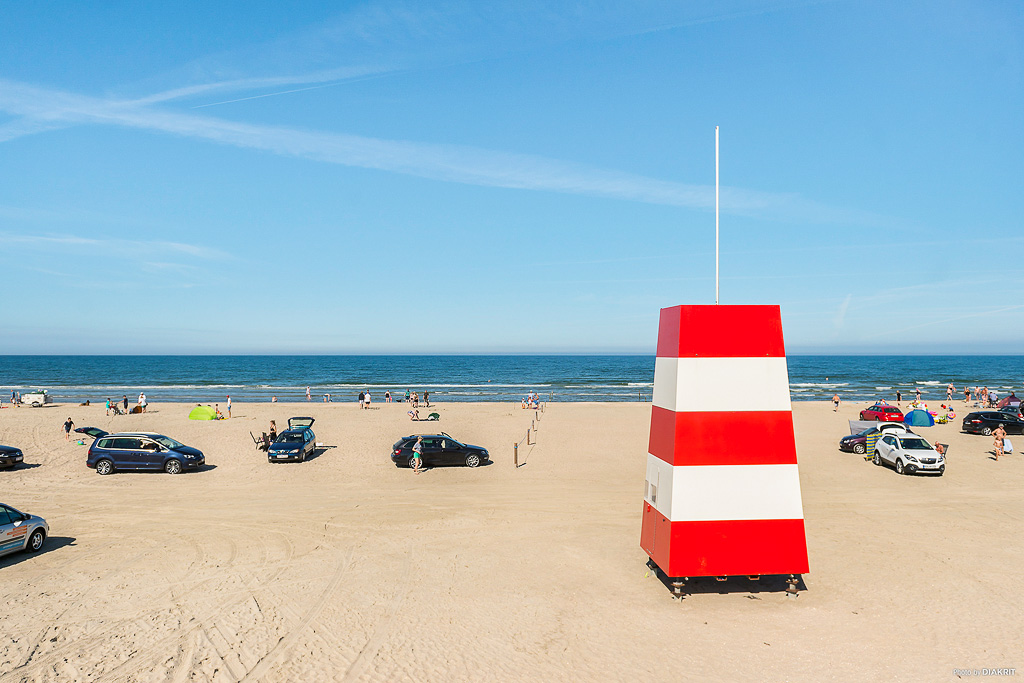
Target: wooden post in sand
515,454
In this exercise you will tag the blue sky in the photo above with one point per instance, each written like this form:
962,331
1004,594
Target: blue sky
507,177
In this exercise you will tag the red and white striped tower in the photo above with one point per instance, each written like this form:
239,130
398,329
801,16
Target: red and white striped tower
722,496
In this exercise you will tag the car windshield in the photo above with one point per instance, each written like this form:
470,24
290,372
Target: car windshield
167,442
290,437
915,444
865,432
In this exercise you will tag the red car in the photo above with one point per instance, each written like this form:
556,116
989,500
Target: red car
882,412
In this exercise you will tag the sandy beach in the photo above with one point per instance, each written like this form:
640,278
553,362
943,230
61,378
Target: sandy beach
346,568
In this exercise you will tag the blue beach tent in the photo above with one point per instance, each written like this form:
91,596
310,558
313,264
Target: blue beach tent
919,418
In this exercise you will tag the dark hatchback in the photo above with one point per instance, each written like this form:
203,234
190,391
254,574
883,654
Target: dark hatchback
142,451
10,457
294,443
986,421
438,449
856,443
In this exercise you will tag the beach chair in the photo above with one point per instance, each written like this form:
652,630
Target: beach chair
262,442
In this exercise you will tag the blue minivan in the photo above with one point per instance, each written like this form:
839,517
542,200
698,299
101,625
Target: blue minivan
142,451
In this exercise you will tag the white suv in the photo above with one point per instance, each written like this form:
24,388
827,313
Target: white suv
909,453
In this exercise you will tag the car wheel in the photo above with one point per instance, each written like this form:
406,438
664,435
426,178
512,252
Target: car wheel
986,431
862,416
104,467
472,460
876,458
35,541
899,466
172,466
859,449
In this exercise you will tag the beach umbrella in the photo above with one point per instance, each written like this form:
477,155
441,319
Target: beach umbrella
203,413
919,418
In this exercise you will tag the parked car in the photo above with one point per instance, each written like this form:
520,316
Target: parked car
10,457
21,531
882,412
858,443
985,422
438,449
142,451
1016,411
294,443
908,453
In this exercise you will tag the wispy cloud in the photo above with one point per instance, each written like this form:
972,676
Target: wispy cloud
448,163
112,246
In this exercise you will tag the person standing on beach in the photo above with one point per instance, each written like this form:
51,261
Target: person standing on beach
69,424
387,396
417,454
899,397
366,398
362,397
273,430
917,392
125,399
108,406
949,392
229,407
308,397
406,395
142,402
997,439
835,403
426,398
967,393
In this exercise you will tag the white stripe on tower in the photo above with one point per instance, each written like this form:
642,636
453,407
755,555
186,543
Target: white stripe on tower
721,384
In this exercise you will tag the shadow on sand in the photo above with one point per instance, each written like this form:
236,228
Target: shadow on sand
52,543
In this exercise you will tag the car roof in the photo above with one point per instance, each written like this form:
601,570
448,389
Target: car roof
149,434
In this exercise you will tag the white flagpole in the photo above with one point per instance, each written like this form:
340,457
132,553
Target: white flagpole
716,215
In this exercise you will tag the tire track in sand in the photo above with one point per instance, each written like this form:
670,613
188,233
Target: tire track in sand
286,643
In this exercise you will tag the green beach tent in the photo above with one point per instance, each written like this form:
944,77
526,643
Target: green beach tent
203,413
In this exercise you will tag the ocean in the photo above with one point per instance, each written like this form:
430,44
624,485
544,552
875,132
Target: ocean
210,379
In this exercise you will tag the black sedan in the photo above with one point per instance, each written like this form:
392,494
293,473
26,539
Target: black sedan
986,421
438,449
10,457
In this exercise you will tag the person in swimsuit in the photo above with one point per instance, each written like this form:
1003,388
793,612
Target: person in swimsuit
417,455
997,441
835,403
273,431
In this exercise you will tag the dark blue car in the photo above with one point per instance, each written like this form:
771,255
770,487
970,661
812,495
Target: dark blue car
142,451
294,443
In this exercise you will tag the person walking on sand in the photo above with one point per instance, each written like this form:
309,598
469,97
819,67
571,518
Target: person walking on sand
417,455
362,398
997,439
308,397
69,424
229,407
835,403
949,392
366,399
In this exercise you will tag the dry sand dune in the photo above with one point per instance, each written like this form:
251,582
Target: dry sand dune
347,568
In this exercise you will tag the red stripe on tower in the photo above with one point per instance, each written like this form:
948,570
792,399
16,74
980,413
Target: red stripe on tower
722,496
